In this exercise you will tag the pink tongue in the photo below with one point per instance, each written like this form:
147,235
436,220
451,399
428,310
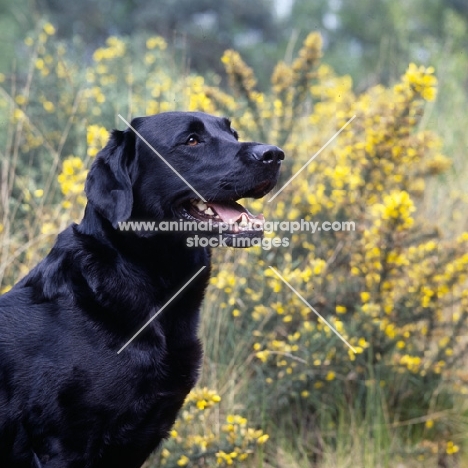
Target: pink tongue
228,213
231,212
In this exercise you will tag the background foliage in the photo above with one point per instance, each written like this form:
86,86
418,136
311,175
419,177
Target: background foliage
279,388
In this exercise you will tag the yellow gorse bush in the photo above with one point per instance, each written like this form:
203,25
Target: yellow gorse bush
199,436
421,80
394,288
394,281
115,49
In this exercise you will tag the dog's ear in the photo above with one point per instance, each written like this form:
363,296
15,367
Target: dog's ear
108,185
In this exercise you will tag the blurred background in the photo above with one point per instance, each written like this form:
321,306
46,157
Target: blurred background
373,41
278,388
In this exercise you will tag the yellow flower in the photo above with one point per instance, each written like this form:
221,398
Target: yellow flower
96,137
39,64
262,355
116,48
223,457
397,207
365,296
452,448
438,164
72,177
363,343
262,439
281,79
411,362
422,81
20,100
5,289
48,106
156,42
201,404
240,75
236,419
48,228
183,461
390,330
49,29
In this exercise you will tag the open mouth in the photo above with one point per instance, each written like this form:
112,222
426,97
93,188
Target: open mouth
234,217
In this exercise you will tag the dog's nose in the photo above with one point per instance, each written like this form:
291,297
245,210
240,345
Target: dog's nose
268,154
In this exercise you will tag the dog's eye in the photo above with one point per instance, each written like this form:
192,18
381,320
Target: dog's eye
192,140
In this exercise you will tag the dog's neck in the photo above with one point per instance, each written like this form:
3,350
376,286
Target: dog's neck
147,251
154,268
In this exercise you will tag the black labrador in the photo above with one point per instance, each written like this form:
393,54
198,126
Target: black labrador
68,398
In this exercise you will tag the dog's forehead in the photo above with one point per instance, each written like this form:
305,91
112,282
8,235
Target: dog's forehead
177,121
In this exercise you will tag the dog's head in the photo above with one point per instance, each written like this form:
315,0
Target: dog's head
182,165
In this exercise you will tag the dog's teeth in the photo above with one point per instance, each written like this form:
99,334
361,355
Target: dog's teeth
201,206
209,212
244,221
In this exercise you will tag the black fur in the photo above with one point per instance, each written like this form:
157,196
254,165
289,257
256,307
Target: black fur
67,399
